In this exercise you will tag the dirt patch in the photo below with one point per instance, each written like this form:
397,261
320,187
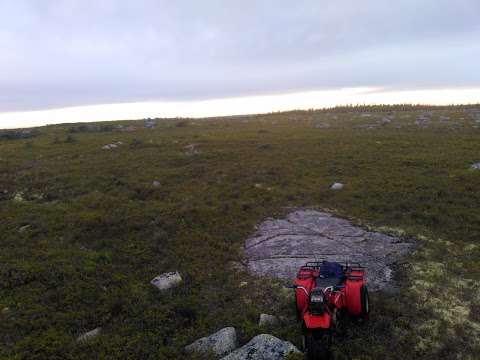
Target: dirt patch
281,246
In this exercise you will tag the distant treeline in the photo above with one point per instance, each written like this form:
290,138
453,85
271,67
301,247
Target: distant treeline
387,108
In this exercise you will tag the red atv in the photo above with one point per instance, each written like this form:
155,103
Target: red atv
325,293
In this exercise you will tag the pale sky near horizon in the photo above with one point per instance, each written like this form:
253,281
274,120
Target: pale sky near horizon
87,60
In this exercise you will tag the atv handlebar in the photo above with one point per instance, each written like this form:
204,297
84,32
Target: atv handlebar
295,287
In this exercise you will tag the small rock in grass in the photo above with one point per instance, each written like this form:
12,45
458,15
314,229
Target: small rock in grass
221,343
191,149
18,197
263,347
243,284
476,166
5,310
167,280
386,120
109,146
89,335
337,186
156,183
267,320
23,228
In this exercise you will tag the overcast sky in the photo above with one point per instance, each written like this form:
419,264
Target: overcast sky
60,53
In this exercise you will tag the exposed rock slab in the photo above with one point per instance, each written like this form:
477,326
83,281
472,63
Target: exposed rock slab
281,246
221,343
263,347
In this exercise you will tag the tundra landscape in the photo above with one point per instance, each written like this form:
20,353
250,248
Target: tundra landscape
239,180
91,214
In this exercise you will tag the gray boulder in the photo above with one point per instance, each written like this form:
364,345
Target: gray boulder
263,347
221,343
167,280
476,166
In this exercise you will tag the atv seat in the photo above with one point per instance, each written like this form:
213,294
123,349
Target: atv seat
327,281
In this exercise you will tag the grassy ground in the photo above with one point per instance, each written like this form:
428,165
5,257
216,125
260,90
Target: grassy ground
83,231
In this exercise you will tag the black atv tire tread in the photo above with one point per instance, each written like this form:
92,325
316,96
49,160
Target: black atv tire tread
365,302
315,347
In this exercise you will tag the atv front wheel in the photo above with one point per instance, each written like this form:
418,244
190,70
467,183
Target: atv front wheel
317,344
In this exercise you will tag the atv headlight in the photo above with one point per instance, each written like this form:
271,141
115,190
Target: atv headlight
317,300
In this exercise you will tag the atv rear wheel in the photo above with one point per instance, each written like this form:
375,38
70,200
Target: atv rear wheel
317,344
365,302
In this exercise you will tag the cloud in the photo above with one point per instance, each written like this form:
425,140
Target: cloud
69,53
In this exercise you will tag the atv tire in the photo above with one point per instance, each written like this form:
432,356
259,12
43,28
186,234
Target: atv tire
365,302
317,345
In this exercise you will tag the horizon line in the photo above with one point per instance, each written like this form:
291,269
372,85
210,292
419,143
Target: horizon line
322,100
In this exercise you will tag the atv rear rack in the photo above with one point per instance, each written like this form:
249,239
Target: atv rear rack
346,266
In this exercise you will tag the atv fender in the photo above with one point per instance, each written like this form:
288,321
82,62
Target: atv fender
312,322
353,296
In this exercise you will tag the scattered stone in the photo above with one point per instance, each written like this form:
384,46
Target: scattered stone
156,183
167,280
5,310
18,134
150,123
221,343
191,149
322,126
444,118
109,146
18,197
23,228
476,166
89,335
243,284
263,347
267,320
387,119
422,120
337,186
365,115
280,246
258,186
